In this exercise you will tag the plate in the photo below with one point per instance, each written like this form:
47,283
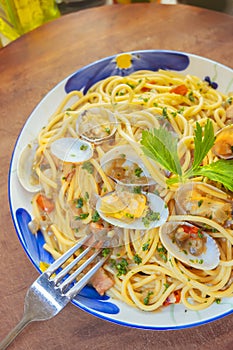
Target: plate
173,316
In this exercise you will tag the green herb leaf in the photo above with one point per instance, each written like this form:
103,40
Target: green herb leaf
202,144
161,146
220,171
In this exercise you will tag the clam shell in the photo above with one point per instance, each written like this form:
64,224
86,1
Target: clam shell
220,209
96,124
25,170
208,260
223,146
155,203
73,150
126,152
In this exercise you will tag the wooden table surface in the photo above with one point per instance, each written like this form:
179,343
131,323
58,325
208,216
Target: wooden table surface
29,68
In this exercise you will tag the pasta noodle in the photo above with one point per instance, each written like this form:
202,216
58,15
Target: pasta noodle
145,274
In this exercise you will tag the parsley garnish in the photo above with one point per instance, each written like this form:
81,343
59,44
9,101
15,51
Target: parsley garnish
83,147
146,246
88,167
138,172
147,298
137,259
121,266
95,216
105,252
150,217
161,146
82,216
79,203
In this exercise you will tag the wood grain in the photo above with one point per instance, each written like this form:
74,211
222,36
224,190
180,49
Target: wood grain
29,68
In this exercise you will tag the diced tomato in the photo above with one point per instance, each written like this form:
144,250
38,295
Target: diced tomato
173,298
146,89
45,203
192,231
180,90
177,296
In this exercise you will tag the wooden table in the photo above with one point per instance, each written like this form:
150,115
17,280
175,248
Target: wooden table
29,68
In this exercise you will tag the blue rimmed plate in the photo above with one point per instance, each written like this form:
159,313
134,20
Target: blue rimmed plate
171,317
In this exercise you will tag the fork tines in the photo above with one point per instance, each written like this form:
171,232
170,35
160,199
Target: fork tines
65,285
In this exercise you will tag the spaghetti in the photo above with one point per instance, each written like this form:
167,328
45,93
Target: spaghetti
144,273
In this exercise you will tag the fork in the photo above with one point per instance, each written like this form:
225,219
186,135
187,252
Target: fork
52,291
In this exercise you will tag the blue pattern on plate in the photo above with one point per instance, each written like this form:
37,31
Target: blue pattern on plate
33,245
140,60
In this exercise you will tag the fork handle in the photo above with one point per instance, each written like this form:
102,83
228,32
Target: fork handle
14,332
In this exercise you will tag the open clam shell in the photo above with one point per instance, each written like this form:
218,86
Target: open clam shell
96,124
73,150
123,165
155,214
26,175
208,259
198,198
223,146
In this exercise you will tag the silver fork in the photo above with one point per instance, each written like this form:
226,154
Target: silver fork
50,293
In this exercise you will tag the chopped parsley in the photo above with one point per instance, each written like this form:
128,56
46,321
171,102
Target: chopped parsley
79,202
88,167
82,216
146,246
83,147
150,217
95,216
138,172
105,252
162,253
137,259
164,112
147,298
121,266
137,189
191,97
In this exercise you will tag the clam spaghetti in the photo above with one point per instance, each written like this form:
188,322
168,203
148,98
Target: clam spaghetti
123,113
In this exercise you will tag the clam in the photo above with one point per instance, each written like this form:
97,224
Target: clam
123,166
190,245
96,124
130,210
198,198
73,150
26,175
223,146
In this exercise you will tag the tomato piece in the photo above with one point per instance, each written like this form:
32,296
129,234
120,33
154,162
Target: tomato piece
190,229
145,89
180,90
45,203
177,296
173,298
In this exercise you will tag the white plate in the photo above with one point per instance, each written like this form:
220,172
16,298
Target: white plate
171,317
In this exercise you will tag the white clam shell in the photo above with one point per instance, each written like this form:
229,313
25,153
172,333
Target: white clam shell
73,150
24,168
219,208
130,157
208,260
224,143
156,204
99,118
